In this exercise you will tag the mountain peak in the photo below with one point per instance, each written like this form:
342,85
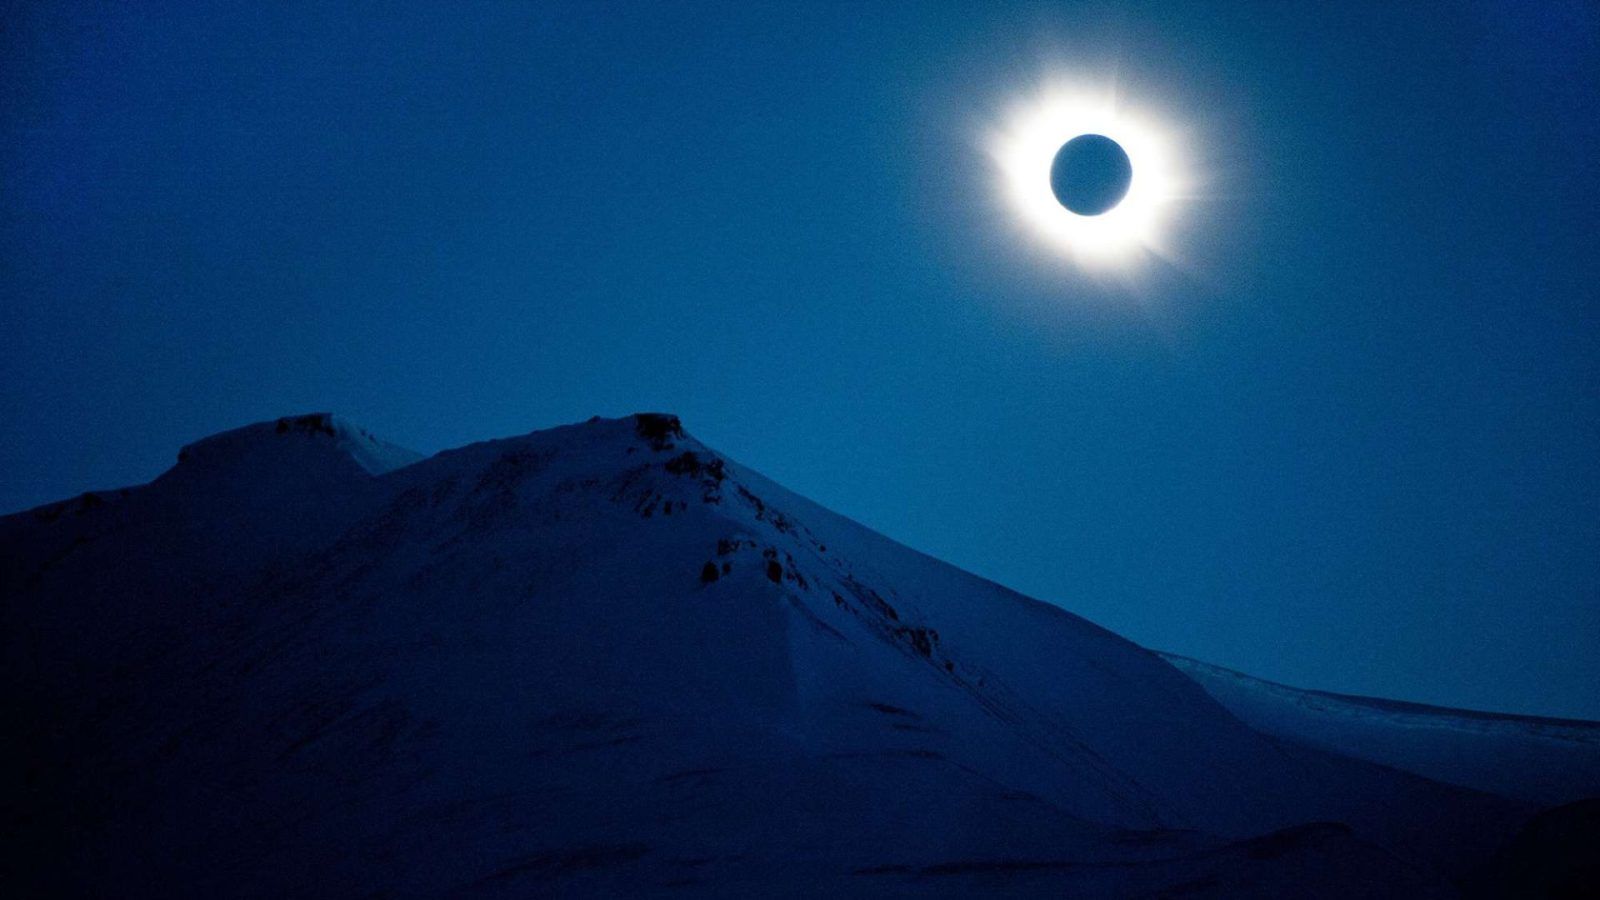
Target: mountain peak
294,436
659,429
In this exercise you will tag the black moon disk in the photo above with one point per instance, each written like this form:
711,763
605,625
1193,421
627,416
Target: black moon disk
1091,174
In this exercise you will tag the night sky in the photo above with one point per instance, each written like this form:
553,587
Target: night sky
1348,437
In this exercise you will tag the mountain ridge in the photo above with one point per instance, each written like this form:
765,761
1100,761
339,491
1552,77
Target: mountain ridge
1538,759
615,612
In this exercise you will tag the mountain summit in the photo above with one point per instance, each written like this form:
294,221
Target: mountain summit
606,659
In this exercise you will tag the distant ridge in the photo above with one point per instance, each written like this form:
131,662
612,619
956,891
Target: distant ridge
1538,759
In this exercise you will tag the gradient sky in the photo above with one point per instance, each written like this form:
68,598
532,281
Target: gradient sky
1351,440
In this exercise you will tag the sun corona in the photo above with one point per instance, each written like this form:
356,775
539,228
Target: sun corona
1025,146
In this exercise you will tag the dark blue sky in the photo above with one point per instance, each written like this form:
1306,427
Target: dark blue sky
1352,443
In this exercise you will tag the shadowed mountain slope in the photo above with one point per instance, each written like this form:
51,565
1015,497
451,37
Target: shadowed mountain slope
604,658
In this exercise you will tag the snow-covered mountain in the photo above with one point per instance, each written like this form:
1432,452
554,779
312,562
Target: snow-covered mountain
1541,760
605,659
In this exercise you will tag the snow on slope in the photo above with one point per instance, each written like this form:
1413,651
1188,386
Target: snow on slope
280,441
236,504
1541,760
603,658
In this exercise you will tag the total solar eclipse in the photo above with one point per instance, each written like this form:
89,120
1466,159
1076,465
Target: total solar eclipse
1090,174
